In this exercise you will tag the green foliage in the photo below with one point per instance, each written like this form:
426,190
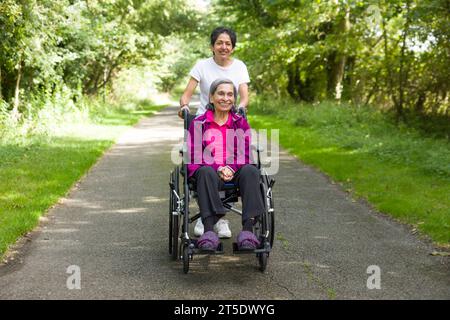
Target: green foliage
364,130
391,53
179,57
396,168
82,45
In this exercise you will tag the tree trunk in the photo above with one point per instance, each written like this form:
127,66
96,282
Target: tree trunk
297,88
90,86
337,62
336,75
419,106
388,66
293,80
105,77
349,80
374,89
402,73
1,88
15,111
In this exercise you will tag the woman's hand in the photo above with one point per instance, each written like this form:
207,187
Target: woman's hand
180,112
225,173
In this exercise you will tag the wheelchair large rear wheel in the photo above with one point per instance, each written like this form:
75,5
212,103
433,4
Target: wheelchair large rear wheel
270,212
264,223
271,219
171,196
174,219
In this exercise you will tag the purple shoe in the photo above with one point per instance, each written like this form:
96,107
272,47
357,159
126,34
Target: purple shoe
209,241
246,240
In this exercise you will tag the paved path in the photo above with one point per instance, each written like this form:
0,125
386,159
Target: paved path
113,225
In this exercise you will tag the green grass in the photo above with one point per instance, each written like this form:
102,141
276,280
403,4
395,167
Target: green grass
397,169
35,172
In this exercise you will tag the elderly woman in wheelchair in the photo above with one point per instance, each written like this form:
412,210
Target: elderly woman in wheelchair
217,158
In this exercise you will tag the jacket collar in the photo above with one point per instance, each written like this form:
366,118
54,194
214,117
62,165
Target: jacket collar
232,117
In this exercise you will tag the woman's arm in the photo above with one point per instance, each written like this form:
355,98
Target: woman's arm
188,92
243,94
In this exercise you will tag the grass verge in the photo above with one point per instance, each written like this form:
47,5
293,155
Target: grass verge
397,169
37,170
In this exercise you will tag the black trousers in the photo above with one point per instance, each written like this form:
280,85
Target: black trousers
208,184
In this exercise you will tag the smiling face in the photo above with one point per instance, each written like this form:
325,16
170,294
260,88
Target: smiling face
223,47
223,97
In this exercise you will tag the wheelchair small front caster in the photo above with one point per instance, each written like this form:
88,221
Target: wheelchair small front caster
262,258
186,258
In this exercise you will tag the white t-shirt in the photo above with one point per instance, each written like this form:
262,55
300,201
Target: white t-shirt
207,70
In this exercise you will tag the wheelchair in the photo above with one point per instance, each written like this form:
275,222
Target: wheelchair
181,245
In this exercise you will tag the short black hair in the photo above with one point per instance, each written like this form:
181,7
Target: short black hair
219,30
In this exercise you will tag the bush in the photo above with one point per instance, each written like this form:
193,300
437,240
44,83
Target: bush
364,129
43,115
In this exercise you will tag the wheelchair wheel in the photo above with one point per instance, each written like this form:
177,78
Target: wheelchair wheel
270,213
271,218
260,229
174,219
170,213
262,258
186,258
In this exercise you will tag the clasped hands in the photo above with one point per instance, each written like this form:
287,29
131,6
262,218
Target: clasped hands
225,173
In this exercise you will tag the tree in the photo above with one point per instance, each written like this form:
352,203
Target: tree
393,53
80,44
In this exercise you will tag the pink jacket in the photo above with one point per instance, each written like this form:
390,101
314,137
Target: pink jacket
212,145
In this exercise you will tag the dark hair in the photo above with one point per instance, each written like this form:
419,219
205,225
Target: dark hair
219,30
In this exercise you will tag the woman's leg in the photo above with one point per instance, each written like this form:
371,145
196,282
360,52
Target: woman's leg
248,180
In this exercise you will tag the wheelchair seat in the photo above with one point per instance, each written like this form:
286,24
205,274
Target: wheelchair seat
229,186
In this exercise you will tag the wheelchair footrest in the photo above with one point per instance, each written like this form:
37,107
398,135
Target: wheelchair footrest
201,251
236,250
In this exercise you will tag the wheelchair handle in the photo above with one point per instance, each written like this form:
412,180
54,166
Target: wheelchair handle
185,114
242,112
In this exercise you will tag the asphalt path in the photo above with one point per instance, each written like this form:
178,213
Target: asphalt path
111,230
